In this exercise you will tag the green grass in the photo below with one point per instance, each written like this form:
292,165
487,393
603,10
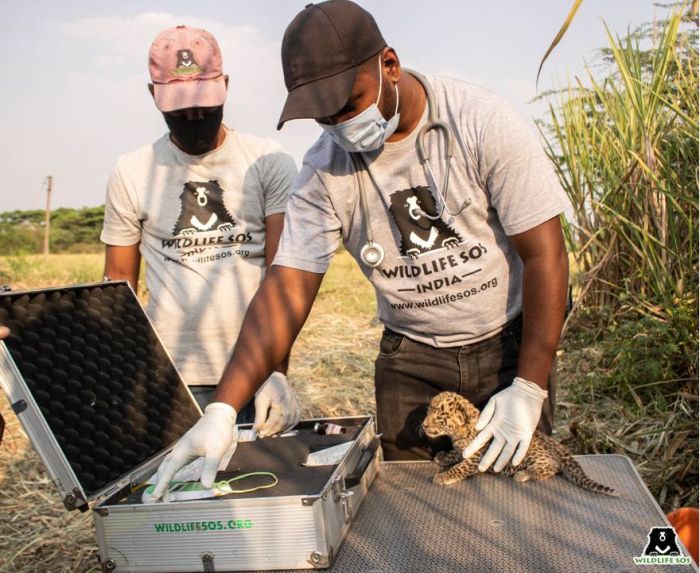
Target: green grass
621,394
625,147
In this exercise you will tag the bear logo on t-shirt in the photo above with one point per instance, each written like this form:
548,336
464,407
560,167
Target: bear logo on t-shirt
420,234
202,209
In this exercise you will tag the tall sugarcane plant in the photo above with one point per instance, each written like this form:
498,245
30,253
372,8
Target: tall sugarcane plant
626,151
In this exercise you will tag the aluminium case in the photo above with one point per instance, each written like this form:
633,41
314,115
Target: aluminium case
248,534
102,403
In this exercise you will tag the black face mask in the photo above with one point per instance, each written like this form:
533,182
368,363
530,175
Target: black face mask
195,136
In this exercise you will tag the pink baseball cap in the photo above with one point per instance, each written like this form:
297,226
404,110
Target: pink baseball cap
185,66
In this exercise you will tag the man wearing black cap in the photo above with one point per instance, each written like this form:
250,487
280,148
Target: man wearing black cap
470,275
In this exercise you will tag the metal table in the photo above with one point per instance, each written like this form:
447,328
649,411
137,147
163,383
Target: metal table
493,524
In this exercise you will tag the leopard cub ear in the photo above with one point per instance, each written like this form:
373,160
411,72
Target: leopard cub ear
468,411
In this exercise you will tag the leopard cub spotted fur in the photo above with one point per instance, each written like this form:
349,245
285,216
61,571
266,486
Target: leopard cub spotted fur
453,415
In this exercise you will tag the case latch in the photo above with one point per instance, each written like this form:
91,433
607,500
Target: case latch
342,494
5,288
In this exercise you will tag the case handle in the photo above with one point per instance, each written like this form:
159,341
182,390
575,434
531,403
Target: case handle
353,479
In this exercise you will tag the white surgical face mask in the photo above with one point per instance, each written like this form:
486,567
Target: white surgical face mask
368,130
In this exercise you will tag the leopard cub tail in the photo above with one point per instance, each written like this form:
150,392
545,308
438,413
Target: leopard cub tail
572,471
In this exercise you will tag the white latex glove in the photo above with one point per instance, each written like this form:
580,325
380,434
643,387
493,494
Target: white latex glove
276,406
510,418
214,436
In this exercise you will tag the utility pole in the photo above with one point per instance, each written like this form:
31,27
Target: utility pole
47,217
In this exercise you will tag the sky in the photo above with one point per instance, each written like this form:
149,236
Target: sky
74,94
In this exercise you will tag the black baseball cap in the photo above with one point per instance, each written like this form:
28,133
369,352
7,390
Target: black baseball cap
321,51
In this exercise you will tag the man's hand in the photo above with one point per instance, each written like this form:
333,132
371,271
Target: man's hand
213,435
276,406
510,418
4,332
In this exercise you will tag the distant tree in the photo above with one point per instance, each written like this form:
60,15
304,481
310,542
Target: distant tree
72,230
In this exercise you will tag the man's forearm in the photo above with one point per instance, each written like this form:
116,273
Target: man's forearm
273,231
123,263
273,321
545,282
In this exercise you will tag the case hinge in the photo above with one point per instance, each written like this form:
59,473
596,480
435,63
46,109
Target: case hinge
19,406
5,288
75,500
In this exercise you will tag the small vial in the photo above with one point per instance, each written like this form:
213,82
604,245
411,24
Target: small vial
327,429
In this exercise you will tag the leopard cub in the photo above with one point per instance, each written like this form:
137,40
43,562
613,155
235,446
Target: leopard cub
453,415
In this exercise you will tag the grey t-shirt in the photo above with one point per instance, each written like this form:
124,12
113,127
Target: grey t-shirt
448,282
200,222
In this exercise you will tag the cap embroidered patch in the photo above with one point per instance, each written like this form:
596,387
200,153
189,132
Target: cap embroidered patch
186,64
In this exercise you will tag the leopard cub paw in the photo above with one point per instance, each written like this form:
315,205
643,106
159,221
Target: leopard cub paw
443,479
522,476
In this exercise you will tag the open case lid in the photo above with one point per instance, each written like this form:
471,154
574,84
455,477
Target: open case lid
93,386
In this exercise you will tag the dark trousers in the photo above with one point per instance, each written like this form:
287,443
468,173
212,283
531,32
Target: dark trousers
408,374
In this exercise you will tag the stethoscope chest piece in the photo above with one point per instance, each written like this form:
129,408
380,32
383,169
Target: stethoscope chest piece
372,254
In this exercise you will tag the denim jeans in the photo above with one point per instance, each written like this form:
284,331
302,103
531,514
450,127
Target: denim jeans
408,374
204,395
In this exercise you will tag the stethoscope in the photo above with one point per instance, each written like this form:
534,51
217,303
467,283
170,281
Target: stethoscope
372,253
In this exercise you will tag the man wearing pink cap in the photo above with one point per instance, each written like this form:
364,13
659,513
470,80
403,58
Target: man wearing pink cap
204,206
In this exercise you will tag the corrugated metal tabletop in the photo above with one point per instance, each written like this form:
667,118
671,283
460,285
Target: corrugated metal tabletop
494,524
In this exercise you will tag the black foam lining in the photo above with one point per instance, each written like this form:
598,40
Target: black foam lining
100,376
284,458
281,456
